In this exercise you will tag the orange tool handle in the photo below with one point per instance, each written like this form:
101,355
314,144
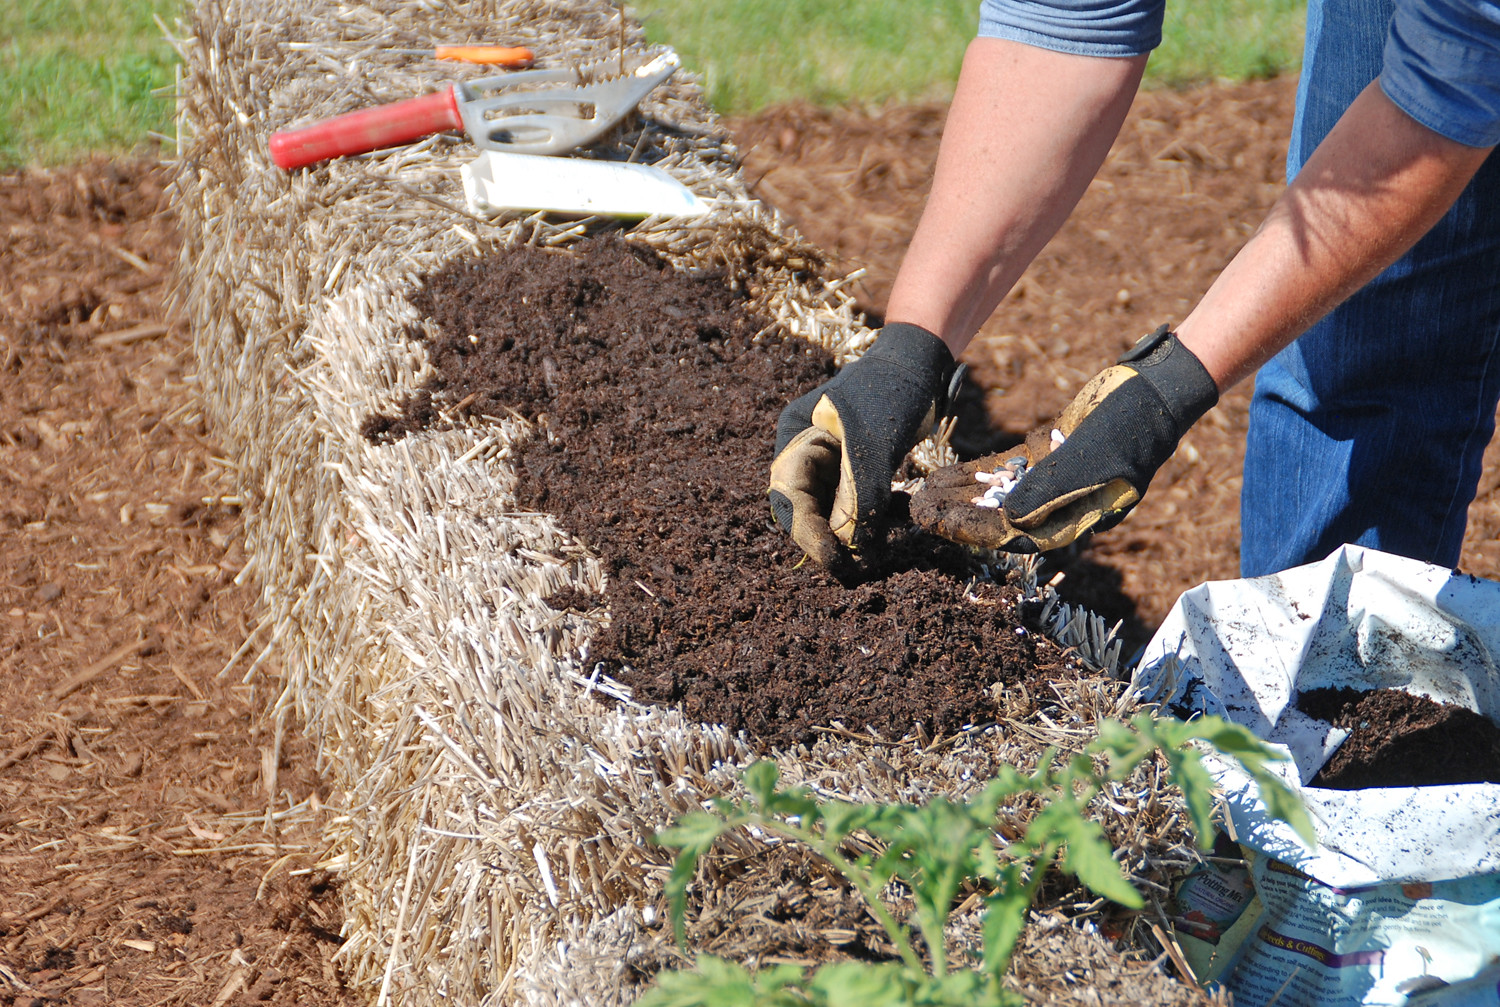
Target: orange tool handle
486,55
368,129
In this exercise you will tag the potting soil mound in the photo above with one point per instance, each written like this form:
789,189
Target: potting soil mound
659,394
1397,739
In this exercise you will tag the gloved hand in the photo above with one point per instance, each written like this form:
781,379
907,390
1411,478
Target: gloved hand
1116,433
838,446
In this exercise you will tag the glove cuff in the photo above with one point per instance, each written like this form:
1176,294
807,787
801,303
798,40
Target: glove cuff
1179,377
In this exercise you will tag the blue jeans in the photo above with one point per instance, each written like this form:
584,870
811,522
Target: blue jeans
1371,427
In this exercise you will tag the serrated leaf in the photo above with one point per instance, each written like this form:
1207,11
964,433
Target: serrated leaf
1004,919
841,818
856,984
968,989
1081,765
1048,826
887,819
675,890
1117,738
1186,770
1007,782
986,861
1039,780
1283,802
692,836
1235,740
696,830
719,983
793,804
760,779
1252,753
1090,858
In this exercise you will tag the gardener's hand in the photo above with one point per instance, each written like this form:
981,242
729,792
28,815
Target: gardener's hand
838,446
1110,441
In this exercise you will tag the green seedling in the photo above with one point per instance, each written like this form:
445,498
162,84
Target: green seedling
942,849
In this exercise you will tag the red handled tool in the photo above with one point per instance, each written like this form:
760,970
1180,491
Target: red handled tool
505,113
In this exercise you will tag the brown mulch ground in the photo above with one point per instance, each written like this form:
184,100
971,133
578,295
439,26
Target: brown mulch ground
138,864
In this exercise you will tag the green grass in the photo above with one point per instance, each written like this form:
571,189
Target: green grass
78,75
1228,40
753,53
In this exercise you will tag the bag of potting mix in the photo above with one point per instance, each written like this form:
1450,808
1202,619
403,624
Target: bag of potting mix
1377,676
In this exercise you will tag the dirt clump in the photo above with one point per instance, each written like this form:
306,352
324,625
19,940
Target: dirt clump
1397,739
659,396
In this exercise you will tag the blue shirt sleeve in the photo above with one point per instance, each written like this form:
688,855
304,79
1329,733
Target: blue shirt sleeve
1081,27
1442,67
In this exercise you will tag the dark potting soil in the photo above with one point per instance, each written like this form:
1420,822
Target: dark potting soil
1400,740
658,394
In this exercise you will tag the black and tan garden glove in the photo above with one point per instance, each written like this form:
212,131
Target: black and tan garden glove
838,446
1086,476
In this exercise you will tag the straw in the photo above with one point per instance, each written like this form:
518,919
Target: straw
495,847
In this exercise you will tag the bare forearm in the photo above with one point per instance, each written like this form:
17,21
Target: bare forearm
1375,185
1027,130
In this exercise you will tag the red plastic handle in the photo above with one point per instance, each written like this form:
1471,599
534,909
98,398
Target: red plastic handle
368,129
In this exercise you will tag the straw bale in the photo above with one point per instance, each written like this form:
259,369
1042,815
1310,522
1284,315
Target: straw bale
494,816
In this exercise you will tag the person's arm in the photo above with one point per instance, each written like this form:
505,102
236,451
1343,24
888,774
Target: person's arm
1374,186
1377,183
1027,131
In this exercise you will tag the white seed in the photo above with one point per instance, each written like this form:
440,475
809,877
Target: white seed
998,483
1057,438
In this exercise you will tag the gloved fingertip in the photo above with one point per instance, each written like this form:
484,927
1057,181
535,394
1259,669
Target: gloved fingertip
1021,546
826,552
1108,520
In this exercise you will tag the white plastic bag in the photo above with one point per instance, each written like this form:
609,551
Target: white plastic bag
1399,903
